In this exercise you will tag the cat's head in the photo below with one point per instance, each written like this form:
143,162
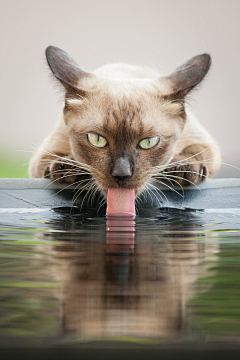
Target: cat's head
124,121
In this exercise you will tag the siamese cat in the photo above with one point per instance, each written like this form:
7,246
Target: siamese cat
125,126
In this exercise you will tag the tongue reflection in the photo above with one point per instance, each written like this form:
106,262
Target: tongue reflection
121,202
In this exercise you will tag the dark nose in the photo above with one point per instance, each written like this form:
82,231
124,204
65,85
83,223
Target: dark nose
121,180
122,171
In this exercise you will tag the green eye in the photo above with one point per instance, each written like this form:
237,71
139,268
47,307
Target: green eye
97,140
148,143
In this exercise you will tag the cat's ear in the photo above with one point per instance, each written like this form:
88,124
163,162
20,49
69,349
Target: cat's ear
187,76
64,68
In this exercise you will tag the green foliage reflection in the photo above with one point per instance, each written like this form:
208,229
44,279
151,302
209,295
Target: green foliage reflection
217,310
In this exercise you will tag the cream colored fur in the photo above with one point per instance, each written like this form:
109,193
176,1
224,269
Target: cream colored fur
132,86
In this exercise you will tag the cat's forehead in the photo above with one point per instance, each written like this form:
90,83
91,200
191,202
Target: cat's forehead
130,121
132,106
126,113
124,119
139,112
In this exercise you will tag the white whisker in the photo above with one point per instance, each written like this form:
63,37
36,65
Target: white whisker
154,194
160,191
157,180
178,177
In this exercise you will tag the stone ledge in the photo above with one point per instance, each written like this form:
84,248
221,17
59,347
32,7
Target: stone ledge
9,183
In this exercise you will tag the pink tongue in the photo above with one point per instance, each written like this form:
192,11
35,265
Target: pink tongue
121,202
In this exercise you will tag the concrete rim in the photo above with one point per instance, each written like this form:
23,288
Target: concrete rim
8,183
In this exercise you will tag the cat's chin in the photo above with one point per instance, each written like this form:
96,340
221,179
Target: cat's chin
138,191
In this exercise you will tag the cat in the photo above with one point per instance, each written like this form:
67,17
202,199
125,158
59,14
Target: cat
126,125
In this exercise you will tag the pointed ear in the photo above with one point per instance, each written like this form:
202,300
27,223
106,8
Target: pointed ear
187,76
64,68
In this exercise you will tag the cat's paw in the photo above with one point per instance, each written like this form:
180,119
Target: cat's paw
188,172
61,171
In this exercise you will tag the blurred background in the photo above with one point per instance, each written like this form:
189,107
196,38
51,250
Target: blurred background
158,33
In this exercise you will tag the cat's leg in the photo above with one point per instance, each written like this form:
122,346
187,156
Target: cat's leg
53,165
194,164
61,170
50,162
65,169
54,158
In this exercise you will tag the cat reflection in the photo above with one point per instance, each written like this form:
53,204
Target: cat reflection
113,287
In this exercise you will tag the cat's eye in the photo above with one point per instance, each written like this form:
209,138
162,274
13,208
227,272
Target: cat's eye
97,140
149,143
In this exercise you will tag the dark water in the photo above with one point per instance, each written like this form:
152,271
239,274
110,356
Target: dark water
68,276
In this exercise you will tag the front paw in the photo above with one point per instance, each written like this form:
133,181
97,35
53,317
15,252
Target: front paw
188,172
61,170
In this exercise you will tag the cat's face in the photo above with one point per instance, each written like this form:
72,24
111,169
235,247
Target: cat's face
123,119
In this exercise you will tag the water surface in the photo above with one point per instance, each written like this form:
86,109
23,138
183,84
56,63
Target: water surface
70,276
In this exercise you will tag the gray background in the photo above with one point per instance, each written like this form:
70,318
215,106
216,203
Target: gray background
160,33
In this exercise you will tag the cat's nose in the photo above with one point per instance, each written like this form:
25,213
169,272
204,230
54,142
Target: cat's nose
121,171
121,180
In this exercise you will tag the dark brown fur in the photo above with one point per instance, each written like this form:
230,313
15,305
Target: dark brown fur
126,104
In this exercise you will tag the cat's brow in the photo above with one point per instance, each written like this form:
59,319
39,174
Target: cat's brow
92,127
122,119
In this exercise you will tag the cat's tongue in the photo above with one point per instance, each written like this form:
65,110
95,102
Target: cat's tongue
121,202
